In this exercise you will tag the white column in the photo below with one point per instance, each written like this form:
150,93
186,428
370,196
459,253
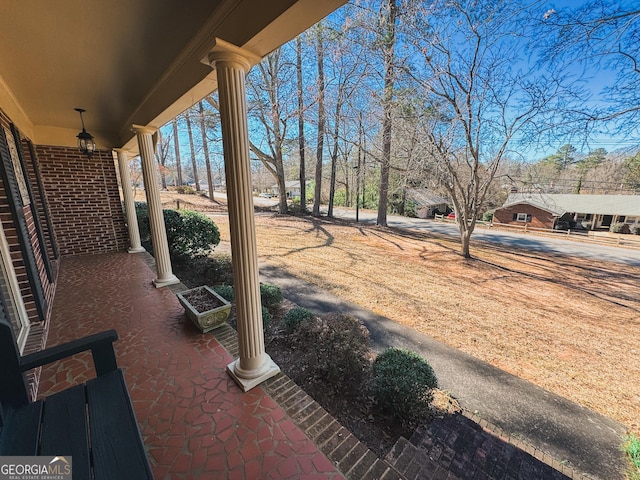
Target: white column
156,219
129,203
232,64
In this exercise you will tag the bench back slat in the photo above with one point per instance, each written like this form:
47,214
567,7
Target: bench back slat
64,429
118,450
13,386
21,431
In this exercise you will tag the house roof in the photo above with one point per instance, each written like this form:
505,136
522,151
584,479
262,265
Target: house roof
424,198
558,204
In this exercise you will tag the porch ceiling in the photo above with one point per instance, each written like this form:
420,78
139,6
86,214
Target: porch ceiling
126,62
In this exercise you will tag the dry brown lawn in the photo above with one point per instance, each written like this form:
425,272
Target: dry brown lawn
567,324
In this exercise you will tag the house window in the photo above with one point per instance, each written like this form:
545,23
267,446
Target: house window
10,296
522,217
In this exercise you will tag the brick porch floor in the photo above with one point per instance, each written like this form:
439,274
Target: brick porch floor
196,423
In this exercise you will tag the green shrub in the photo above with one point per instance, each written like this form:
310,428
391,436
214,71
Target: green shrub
142,214
632,449
225,291
410,209
294,317
266,317
188,232
487,216
402,384
334,348
173,227
270,294
619,227
185,189
197,234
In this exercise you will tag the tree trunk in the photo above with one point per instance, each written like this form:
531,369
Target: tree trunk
176,146
465,240
334,156
205,147
161,158
389,80
301,140
321,121
193,151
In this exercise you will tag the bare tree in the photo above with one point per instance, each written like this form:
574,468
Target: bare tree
271,95
301,140
176,146
603,34
205,148
194,162
346,71
480,94
162,154
389,15
317,194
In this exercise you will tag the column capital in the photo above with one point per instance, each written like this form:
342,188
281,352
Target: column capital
224,52
144,129
122,152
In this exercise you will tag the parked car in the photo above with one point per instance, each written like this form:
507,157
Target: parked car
265,195
452,215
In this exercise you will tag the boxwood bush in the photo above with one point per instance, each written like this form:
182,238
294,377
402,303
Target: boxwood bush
402,384
225,291
188,232
294,317
271,295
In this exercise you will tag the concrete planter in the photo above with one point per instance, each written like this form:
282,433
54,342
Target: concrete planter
204,307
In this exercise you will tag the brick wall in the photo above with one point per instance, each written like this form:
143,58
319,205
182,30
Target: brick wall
83,197
539,218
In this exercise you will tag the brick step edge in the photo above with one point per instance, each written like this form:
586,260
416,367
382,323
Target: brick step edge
352,457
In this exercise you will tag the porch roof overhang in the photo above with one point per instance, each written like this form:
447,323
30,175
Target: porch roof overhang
127,62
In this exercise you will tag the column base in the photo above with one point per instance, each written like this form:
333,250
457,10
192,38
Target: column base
167,281
136,250
268,370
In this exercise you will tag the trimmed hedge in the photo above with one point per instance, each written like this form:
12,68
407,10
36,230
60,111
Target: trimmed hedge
294,317
402,384
188,232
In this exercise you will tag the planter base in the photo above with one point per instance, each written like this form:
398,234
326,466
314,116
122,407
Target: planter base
270,369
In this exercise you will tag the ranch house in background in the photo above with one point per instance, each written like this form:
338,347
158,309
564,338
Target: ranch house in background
426,203
292,187
565,211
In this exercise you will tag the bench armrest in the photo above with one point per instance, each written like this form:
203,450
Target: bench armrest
100,344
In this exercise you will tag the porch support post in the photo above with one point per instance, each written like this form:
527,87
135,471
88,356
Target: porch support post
232,64
129,204
154,204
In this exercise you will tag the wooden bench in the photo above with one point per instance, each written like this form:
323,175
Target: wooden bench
94,423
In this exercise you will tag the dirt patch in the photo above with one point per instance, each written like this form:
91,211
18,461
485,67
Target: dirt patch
202,300
567,324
